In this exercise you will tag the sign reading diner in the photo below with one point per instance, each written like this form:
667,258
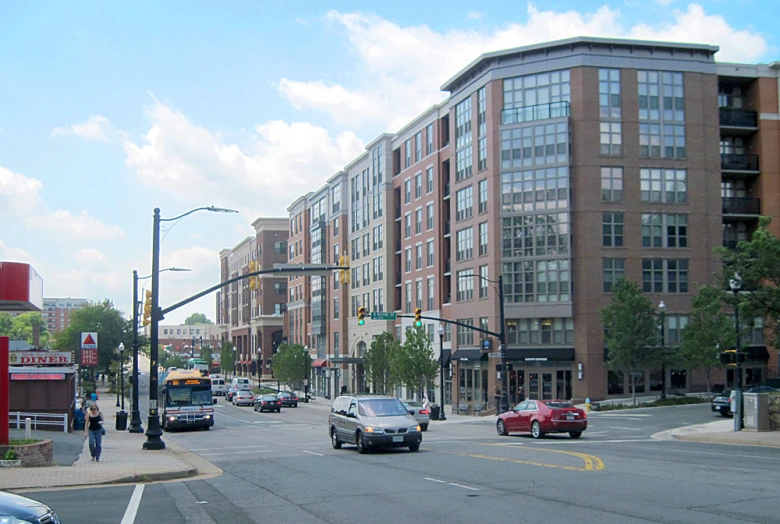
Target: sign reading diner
40,358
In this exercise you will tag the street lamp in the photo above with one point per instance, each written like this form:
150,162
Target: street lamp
135,418
121,351
662,308
442,416
736,286
153,429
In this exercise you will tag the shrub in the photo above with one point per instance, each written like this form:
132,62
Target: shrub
10,454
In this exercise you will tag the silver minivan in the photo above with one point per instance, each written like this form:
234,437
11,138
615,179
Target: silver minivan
372,421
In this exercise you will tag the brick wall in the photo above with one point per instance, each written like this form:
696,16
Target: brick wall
33,455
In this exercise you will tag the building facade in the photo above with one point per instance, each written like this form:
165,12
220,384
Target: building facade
56,312
187,339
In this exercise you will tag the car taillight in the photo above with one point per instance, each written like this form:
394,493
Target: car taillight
424,412
295,398
582,414
264,403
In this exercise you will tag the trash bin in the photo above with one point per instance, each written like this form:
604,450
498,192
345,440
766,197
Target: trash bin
435,412
121,420
78,420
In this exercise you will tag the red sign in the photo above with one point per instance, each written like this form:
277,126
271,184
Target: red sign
21,288
89,358
37,376
40,358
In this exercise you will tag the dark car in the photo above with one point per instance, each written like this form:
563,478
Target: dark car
15,508
288,400
231,391
268,403
543,416
722,403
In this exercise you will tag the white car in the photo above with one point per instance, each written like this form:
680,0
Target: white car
243,398
420,413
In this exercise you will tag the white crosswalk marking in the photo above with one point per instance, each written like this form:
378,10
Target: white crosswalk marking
132,506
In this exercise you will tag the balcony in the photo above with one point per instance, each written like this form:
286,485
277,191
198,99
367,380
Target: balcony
739,121
397,246
740,163
741,206
447,228
519,115
398,213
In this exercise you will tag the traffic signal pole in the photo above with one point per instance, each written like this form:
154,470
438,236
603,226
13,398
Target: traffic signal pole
153,429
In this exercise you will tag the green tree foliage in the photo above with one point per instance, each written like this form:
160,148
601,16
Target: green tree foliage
291,364
205,354
21,327
416,366
227,358
632,332
197,318
709,331
378,363
171,360
104,319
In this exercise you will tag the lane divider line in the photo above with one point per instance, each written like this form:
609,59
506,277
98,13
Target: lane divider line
313,453
132,506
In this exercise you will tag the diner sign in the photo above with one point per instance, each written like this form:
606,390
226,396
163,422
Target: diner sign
40,358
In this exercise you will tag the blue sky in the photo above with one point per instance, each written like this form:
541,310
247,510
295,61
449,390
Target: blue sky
110,109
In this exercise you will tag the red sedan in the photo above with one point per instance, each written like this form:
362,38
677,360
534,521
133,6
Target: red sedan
543,416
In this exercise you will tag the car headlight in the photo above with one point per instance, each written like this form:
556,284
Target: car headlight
375,430
12,520
207,416
171,418
414,428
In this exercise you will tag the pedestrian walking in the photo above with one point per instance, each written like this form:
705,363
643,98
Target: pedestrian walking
95,432
520,394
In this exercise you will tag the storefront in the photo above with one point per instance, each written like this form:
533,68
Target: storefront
472,378
540,373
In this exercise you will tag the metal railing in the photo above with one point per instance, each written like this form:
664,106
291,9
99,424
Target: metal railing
16,420
518,115
730,117
741,206
731,162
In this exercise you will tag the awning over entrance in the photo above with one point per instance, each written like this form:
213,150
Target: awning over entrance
319,363
346,360
756,353
540,354
446,353
469,354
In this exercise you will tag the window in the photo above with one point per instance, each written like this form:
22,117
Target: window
464,203
336,308
429,139
483,196
379,237
664,275
417,146
335,197
538,189
483,283
408,297
535,235
355,249
482,128
417,185
664,230
674,141
613,270
418,288
418,221
367,274
379,268
408,151
335,227
430,253
280,288
429,180
534,145
431,294
465,335
429,216
540,331
418,257
674,326
407,191
408,259
612,229
408,225
465,285
463,139
661,114
537,281
531,90
465,244
611,138
483,238
609,93
612,184
664,185
366,244
280,247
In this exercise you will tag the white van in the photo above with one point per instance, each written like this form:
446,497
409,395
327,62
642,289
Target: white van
218,386
241,384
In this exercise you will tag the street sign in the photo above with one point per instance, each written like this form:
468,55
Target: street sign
383,315
89,340
496,354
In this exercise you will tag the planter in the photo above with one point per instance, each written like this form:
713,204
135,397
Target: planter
11,463
31,455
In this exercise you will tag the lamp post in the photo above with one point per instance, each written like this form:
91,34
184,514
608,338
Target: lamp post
153,429
442,416
120,350
662,308
736,286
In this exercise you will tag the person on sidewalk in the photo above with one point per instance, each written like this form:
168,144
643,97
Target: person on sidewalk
94,430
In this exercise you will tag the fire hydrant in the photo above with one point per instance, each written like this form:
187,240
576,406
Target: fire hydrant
587,405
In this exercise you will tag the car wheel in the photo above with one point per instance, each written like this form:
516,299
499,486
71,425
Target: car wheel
536,429
334,439
360,444
414,447
424,427
255,408
501,428
279,410
575,434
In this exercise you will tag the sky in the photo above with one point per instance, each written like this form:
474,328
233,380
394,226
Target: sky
110,109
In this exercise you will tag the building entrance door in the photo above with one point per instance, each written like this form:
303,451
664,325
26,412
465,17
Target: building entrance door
534,386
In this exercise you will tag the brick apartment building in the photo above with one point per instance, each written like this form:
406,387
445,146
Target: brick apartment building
562,167
56,312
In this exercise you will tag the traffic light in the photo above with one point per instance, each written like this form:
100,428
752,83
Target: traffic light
147,309
344,273
361,316
418,317
730,358
252,279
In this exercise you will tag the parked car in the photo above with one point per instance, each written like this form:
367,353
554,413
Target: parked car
722,403
287,399
421,414
268,403
762,389
231,391
372,421
243,398
543,416
15,508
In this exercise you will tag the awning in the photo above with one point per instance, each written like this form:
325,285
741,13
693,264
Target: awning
756,353
320,362
446,353
540,354
469,354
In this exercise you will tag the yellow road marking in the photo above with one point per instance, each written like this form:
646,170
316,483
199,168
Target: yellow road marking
592,462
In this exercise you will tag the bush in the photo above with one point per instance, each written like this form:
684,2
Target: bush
263,391
10,454
661,402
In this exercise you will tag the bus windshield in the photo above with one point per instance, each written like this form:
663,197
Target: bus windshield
188,396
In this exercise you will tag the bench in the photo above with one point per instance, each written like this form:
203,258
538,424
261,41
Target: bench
463,407
477,409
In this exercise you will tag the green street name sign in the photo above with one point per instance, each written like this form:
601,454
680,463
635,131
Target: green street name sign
383,315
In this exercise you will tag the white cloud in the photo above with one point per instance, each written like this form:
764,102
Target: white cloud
84,227
96,127
404,66
474,15
18,194
276,164
86,283
664,2
90,257
15,254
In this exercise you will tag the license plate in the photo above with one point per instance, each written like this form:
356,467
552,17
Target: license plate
398,439
570,417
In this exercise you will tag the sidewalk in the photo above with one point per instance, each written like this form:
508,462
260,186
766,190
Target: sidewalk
721,432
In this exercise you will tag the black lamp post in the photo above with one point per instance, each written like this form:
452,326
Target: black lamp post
442,416
736,286
662,307
153,429
121,350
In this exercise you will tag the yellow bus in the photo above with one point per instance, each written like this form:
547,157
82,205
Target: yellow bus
186,400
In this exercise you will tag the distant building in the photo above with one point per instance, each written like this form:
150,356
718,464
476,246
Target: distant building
56,312
183,337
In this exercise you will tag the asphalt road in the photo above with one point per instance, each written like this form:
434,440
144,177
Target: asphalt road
281,468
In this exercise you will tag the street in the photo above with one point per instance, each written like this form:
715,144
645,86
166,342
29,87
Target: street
282,468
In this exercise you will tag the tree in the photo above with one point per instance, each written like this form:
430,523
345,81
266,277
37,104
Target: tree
632,332
709,331
197,318
415,365
291,364
6,324
378,362
227,358
205,354
171,360
23,327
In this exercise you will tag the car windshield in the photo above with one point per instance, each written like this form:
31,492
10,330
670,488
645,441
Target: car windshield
283,394
382,408
559,404
413,404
